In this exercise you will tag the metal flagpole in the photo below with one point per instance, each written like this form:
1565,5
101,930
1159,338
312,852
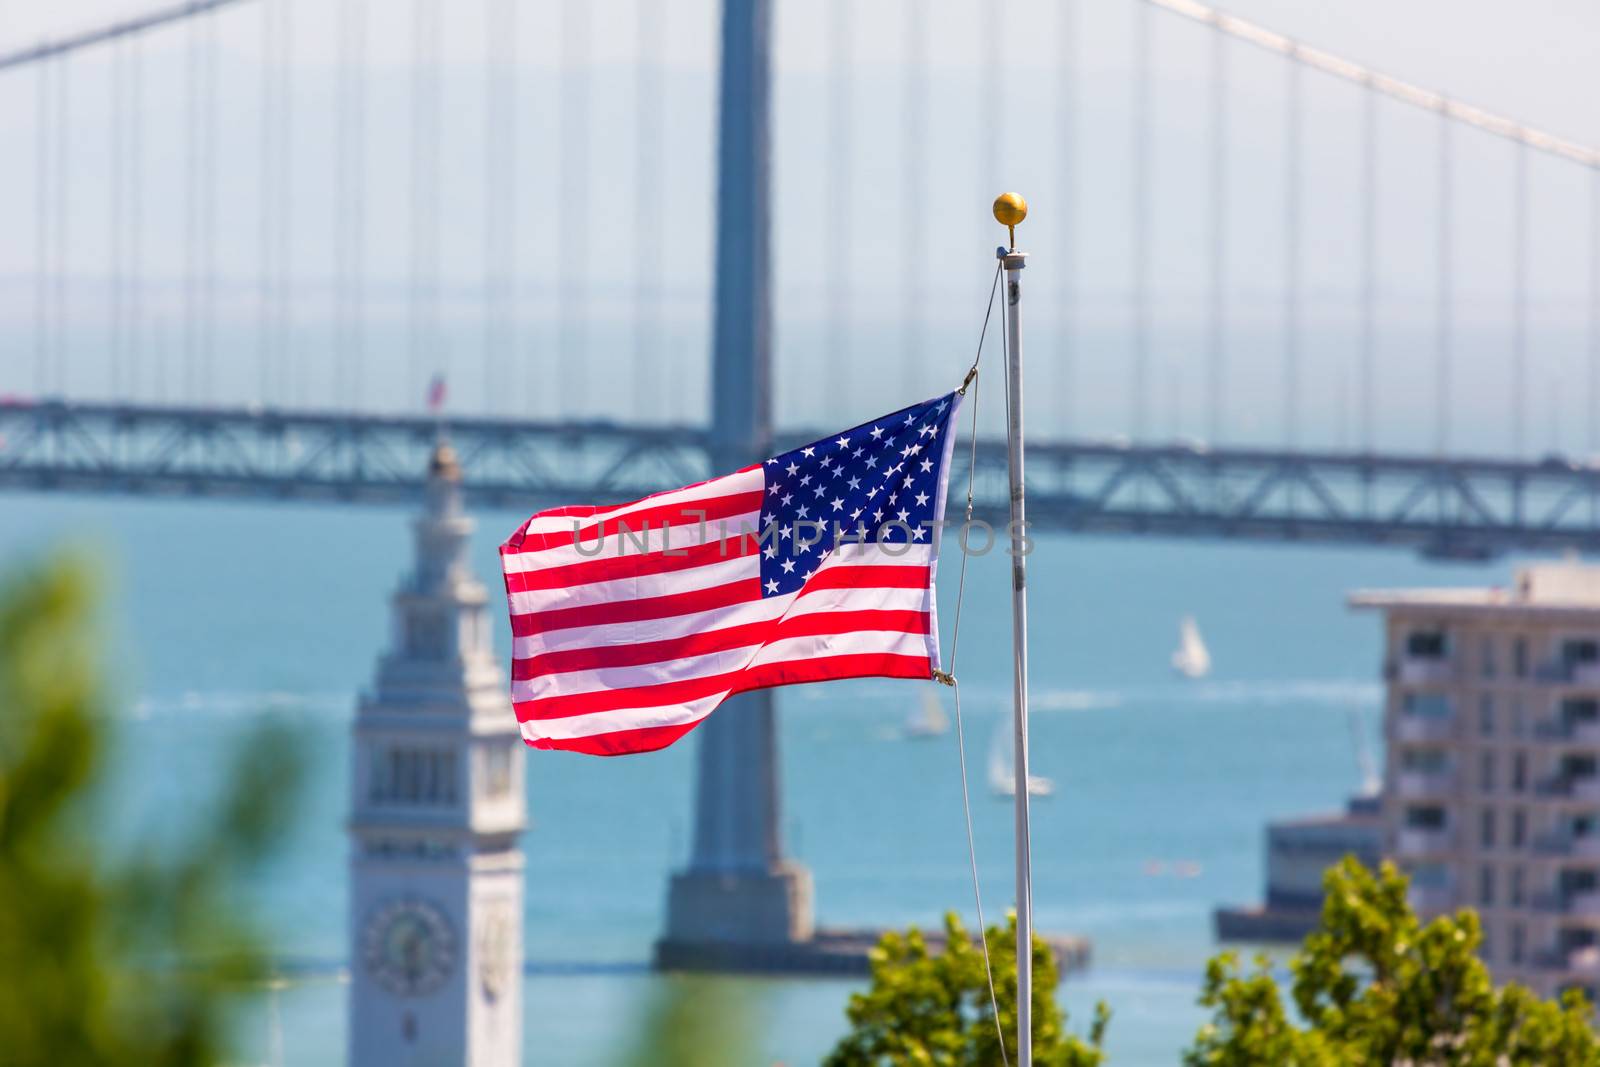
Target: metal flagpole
1010,209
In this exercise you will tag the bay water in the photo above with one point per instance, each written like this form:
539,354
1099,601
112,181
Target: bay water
222,614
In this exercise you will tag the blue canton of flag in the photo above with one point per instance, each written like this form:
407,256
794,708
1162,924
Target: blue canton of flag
881,483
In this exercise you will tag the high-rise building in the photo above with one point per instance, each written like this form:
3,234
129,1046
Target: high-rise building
436,810
1492,783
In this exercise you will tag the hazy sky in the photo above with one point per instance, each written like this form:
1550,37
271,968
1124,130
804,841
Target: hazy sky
880,272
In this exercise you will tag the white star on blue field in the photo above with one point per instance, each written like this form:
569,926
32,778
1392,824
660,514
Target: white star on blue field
877,483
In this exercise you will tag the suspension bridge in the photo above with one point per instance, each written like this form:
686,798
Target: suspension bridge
221,192
229,338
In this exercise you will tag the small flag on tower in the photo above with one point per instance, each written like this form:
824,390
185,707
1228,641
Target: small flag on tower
631,623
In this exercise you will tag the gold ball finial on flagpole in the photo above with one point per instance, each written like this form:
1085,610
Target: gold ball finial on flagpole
1010,209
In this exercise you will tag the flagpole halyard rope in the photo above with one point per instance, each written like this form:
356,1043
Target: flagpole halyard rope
949,678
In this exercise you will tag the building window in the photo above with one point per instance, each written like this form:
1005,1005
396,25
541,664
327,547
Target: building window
1519,771
1519,657
1519,827
413,776
1486,716
1430,705
1516,943
1427,817
1486,771
1578,711
1486,886
1575,767
1426,644
1486,828
1425,760
1580,650
1486,657
1516,887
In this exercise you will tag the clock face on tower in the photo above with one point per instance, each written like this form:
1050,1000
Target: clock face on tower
409,947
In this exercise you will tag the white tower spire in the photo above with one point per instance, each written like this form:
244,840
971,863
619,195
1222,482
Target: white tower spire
437,806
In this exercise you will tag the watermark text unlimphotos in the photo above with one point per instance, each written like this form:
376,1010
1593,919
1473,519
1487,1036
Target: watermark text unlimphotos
977,537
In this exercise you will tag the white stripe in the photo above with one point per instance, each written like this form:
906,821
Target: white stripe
844,644
606,722
860,598
607,679
610,635
727,485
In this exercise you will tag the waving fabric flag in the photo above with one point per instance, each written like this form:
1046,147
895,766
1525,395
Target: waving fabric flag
632,623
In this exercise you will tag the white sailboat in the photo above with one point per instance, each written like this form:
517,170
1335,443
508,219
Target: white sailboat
1191,659
929,720
1003,768
1371,782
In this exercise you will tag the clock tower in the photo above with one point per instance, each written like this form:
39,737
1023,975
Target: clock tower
436,809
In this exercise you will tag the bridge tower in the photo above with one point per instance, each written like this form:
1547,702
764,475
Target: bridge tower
437,806
739,895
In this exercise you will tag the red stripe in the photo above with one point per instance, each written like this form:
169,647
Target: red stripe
827,669
835,668
699,644
882,576
633,565
686,513
625,611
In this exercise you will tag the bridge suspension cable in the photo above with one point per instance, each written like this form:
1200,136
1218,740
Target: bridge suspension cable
1293,106
836,224
43,187
349,224
499,198
1487,121
1142,207
1067,168
50,49
1216,349
1444,334
648,210
571,355
61,204
1369,265
116,186
1594,313
914,203
424,341
136,318
1519,300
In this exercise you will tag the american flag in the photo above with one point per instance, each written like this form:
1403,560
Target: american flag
631,623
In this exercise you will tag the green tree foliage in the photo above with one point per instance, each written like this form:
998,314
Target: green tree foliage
693,1020
103,963
933,1009
1372,985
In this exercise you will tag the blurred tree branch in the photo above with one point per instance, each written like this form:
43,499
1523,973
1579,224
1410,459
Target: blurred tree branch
133,962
